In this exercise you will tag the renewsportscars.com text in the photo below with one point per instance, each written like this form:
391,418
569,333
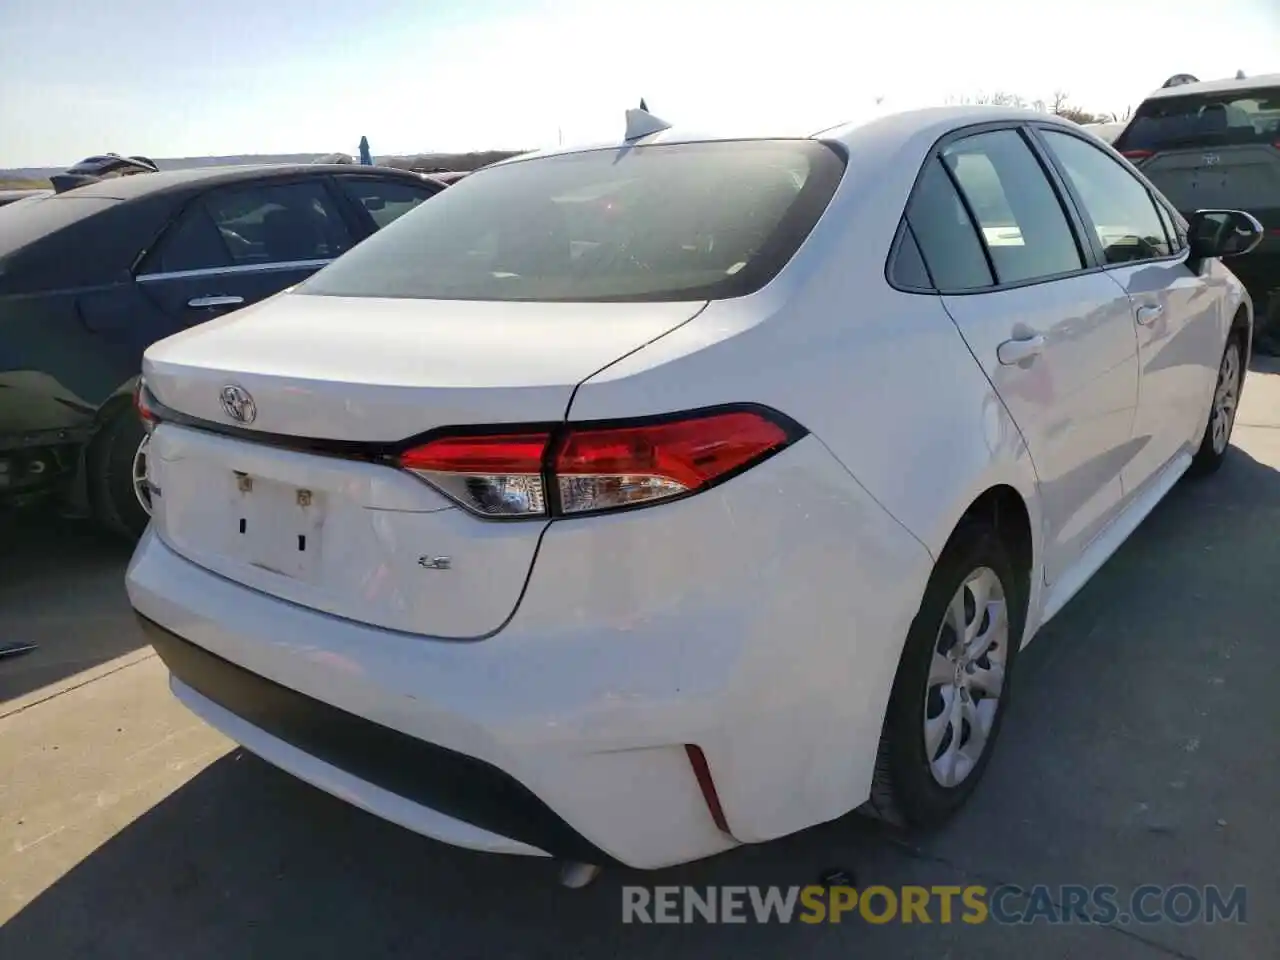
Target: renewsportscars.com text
1061,904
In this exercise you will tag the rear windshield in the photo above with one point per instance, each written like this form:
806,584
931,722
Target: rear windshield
1224,119
661,222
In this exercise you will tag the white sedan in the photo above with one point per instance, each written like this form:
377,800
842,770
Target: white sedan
632,503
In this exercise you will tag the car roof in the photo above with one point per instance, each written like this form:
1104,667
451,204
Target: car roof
883,131
1217,86
149,184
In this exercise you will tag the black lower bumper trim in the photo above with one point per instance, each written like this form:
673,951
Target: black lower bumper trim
444,780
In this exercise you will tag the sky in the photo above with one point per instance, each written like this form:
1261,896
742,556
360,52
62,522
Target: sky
175,78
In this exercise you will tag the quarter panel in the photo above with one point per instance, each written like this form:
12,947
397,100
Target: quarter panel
761,620
883,378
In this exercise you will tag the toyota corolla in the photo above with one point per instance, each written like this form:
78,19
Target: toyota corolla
636,502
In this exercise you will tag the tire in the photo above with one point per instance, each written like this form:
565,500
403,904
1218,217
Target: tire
110,465
911,787
1223,406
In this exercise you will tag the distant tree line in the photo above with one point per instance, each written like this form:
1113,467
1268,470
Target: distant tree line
1059,104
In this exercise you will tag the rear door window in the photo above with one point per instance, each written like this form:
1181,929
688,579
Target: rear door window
264,225
193,243
1021,218
385,200
279,223
1238,117
947,236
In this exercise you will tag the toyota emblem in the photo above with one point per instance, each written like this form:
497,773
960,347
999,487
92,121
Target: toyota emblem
237,404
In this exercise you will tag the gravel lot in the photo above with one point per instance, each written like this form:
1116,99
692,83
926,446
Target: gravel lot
1141,749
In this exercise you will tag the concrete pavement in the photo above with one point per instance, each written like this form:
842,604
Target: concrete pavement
1141,749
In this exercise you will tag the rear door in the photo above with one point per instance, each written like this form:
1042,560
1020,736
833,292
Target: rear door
237,245
380,200
1176,316
1055,338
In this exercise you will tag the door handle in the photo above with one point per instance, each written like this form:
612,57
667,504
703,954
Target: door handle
1149,314
1016,351
214,301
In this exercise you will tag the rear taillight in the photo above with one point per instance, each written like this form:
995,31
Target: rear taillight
495,476
142,404
1136,155
588,468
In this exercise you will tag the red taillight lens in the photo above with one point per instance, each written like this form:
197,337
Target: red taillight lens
1136,155
142,404
600,469
595,468
496,476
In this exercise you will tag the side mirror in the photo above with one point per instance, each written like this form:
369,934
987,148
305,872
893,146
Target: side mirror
1223,233
374,203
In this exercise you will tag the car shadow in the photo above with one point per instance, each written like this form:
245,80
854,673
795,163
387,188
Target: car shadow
246,861
1264,363
61,588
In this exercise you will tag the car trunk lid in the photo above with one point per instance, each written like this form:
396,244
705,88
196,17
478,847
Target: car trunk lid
299,502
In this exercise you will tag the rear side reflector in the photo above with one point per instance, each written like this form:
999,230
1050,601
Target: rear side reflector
575,469
702,772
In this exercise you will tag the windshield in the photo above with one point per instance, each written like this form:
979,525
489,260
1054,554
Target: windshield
661,222
1224,119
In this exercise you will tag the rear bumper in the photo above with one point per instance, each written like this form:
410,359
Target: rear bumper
478,805
761,621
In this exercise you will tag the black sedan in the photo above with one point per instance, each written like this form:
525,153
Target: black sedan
91,276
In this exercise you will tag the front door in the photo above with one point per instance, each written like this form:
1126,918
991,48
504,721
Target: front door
1175,315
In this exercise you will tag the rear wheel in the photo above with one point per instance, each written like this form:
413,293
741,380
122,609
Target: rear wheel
1222,413
116,463
952,685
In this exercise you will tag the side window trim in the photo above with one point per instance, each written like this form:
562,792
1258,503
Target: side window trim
239,268
1076,199
1072,205
1169,220
974,223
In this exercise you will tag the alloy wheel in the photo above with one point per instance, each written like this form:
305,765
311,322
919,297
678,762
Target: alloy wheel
966,677
1225,399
